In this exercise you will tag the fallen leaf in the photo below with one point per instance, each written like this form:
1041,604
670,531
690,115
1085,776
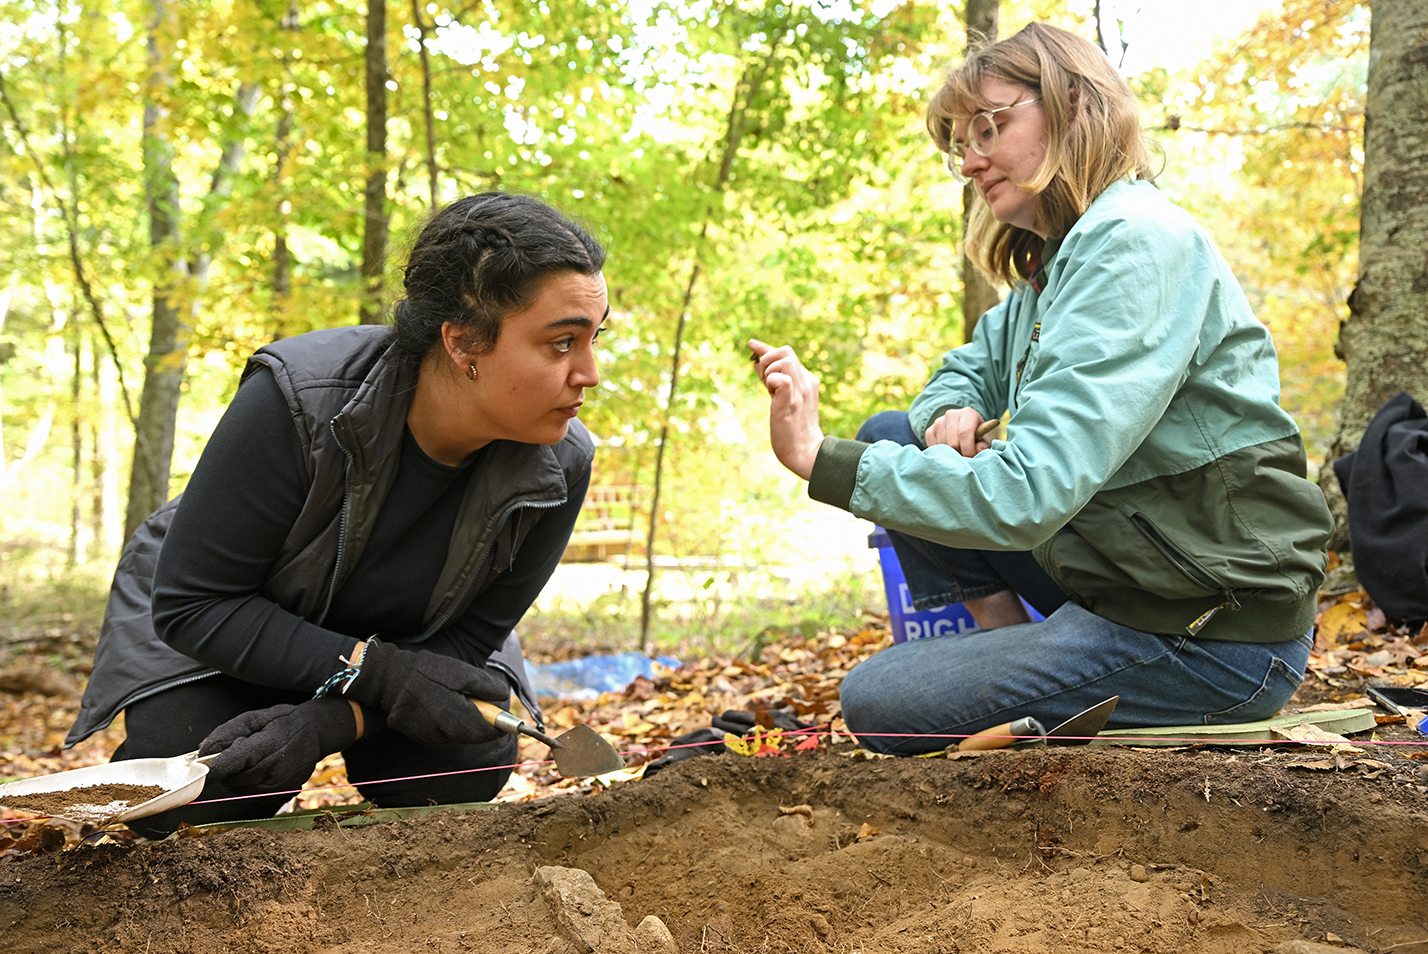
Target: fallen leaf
756,744
1313,735
867,831
1322,765
1343,619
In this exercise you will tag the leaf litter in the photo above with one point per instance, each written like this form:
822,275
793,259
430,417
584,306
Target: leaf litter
801,848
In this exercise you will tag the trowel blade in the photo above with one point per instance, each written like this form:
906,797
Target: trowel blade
1079,729
582,752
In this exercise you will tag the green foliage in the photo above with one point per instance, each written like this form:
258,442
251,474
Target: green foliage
1283,106
758,168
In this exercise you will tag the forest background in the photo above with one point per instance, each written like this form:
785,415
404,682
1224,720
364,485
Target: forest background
181,183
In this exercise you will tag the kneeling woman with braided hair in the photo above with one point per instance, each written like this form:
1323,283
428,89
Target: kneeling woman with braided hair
375,512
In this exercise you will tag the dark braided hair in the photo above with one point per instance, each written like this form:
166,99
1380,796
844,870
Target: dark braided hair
480,259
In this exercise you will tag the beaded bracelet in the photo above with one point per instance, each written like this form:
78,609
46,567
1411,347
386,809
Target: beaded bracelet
343,677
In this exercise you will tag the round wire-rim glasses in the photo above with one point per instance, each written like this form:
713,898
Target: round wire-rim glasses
981,138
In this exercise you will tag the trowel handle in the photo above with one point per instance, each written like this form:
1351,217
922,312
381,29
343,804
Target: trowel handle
506,722
1001,736
497,716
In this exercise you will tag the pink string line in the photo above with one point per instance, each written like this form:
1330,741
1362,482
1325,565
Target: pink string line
796,734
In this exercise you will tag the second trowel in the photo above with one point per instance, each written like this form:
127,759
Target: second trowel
1077,730
578,752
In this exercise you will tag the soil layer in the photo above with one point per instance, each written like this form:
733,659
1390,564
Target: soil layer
1207,851
92,803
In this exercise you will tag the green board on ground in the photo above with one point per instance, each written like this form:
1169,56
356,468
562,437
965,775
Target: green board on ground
1340,722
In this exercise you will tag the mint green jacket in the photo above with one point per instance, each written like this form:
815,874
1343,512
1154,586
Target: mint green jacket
1148,465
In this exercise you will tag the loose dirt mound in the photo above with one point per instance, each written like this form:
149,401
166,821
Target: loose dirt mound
1207,852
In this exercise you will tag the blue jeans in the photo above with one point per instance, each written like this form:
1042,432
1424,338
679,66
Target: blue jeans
922,695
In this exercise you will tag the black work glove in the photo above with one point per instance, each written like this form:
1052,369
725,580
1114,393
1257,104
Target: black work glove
425,695
741,722
276,749
709,741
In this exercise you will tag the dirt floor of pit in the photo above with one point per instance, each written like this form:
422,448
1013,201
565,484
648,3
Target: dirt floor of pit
1201,852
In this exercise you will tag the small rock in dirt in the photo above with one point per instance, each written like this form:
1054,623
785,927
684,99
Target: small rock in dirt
791,831
652,937
821,927
969,862
1138,873
1313,947
583,915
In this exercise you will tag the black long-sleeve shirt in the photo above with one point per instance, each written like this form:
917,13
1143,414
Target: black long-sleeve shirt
242,500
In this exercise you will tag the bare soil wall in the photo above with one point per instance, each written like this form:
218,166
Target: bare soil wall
1214,852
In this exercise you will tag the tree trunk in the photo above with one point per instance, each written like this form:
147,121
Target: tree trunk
168,338
1384,340
978,293
6,353
374,242
282,150
645,605
167,360
750,83
433,172
79,527
104,426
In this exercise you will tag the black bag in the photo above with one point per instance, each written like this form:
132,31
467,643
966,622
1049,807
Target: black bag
1386,484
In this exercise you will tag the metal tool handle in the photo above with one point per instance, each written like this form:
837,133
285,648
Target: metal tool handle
497,716
506,722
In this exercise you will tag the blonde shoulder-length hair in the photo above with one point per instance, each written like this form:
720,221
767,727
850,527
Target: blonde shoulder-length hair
1093,136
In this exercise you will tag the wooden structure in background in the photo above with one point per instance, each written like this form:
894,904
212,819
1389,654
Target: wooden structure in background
606,527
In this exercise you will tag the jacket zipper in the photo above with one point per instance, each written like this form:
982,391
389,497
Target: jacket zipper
445,618
442,620
1021,365
155,691
342,522
1196,573
532,706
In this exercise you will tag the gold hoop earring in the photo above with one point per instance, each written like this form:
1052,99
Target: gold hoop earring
471,371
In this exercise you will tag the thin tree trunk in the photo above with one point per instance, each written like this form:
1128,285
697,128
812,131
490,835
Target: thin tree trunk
659,462
744,94
78,527
6,353
978,293
105,477
1384,340
374,242
282,149
70,216
168,338
167,360
55,351
432,171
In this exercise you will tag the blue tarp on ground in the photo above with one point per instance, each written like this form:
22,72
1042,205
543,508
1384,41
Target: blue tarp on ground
587,677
